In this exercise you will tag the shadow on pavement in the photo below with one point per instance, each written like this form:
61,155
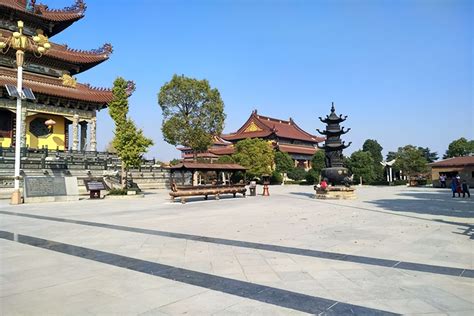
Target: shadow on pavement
439,202
465,229
311,195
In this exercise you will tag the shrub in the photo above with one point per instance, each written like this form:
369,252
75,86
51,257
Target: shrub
236,177
276,178
301,182
297,174
117,192
400,182
312,176
225,159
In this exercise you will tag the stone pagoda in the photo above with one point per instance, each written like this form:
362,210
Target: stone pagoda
336,174
60,101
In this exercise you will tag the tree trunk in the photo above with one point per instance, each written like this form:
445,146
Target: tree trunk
123,177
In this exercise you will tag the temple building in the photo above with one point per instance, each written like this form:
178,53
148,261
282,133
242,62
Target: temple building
60,101
284,135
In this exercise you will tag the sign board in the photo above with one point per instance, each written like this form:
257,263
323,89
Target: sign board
94,185
44,186
50,189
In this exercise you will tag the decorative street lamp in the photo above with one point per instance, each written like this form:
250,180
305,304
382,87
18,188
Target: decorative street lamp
39,44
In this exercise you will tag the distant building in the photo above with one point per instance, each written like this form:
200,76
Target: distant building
462,166
284,135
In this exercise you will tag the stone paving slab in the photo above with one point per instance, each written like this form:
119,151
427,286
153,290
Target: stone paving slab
422,226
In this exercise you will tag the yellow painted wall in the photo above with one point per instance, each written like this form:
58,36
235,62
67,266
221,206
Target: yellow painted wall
53,140
5,141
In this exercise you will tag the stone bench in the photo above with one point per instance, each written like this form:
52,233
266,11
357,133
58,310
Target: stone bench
205,190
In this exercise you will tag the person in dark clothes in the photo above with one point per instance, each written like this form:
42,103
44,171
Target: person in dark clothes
465,189
454,186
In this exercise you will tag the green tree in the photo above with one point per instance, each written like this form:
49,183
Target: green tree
361,164
411,161
175,161
312,176
276,178
283,162
192,112
459,147
373,147
110,147
428,154
225,159
255,154
129,141
317,162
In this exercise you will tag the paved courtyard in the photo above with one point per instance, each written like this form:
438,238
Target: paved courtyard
394,250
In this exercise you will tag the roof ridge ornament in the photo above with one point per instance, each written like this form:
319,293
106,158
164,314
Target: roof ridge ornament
106,49
68,80
79,7
130,87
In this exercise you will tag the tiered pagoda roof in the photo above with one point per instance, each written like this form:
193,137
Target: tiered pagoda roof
51,86
51,21
73,60
259,126
50,75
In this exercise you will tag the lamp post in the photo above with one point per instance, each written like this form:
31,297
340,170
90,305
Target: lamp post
39,44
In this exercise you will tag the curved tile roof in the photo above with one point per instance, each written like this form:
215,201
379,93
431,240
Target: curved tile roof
80,60
267,125
56,19
454,162
54,87
297,149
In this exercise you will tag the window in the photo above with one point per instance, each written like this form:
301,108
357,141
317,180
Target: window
38,128
5,123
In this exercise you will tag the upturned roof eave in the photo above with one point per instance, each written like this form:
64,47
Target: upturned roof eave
44,85
79,60
52,21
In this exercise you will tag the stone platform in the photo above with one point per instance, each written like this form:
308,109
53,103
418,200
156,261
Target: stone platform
336,193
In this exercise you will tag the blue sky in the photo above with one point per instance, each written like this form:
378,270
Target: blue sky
401,70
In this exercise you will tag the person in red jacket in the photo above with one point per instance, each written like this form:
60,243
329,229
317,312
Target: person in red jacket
323,185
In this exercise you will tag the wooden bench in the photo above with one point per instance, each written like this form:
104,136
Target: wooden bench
183,191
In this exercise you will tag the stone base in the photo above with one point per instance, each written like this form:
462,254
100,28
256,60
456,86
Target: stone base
16,198
124,197
45,199
336,193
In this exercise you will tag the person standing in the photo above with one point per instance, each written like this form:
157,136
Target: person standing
465,189
458,186
442,180
323,185
454,186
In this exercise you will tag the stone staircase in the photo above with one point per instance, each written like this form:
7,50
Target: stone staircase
83,165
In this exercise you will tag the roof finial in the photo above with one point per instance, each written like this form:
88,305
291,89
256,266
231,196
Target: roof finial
332,107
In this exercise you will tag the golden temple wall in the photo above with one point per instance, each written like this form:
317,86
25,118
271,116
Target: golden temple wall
54,140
